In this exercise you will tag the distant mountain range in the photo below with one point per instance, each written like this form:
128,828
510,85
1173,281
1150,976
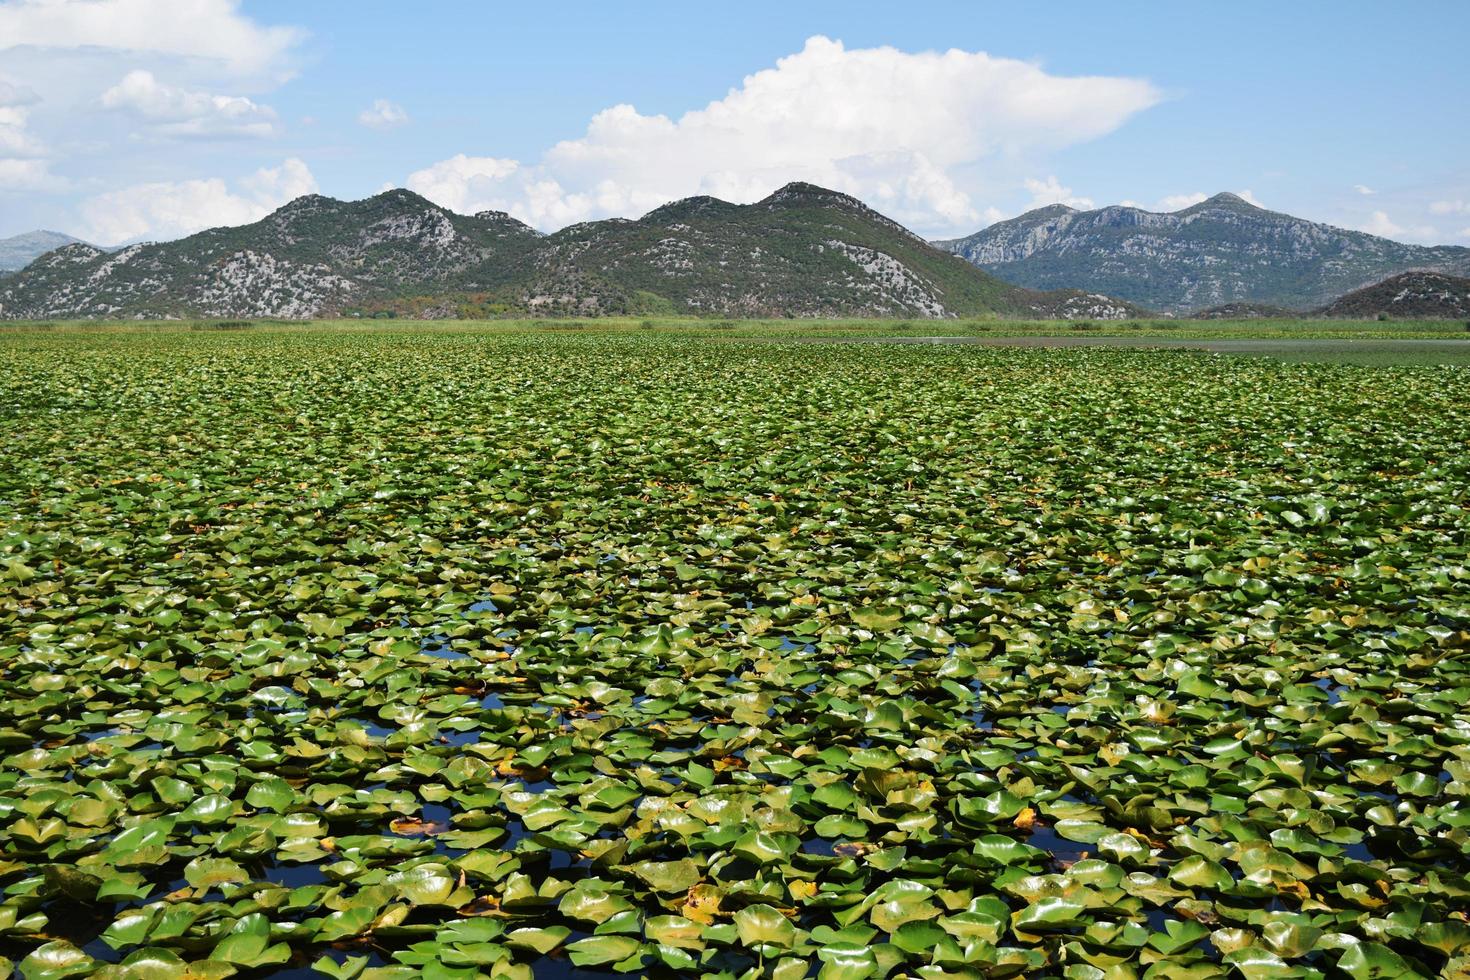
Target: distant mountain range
802,252
1220,251
19,251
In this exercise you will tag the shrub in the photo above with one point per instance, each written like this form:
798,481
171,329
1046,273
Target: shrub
223,325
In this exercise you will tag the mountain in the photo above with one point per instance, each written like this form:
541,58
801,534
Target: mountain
803,251
1415,295
1223,250
18,251
1246,311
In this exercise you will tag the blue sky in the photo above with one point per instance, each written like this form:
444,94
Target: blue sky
131,119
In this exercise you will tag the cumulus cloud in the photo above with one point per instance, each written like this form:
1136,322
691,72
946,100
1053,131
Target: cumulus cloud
1381,224
15,137
23,163
209,29
28,175
906,132
461,181
1050,191
383,114
1178,202
1365,191
171,209
1450,207
13,93
179,112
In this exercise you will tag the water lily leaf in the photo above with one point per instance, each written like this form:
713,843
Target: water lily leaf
594,906
54,959
347,969
156,963
760,925
209,809
211,872
1050,915
542,940
842,961
425,884
764,848
1290,940
875,618
272,793
919,937
668,876
1448,937
674,930
248,944
1372,961
1198,872
492,648
600,950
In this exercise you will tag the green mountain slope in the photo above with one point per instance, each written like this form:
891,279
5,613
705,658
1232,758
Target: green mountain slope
1223,250
803,251
1412,295
315,255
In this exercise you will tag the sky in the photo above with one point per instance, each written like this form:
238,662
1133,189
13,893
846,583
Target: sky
127,120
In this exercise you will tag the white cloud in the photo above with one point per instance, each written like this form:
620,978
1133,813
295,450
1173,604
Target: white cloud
1249,198
175,208
383,114
1365,191
461,181
15,137
1450,207
209,29
1050,191
1178,202
909,133
1381,224
179,112
13,93
28,175
23,163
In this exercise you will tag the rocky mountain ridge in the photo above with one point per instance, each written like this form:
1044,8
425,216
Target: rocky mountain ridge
19,251
1221,251
802,251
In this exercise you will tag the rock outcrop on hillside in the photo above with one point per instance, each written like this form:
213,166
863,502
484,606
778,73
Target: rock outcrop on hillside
1220,251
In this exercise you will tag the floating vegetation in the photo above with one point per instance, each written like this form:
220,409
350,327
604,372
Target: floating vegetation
454,654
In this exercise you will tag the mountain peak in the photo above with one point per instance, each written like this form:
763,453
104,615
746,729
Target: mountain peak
805,251
1225,199
305,204
801,192
1223,250
1048,211
19,250
402,196
687,207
